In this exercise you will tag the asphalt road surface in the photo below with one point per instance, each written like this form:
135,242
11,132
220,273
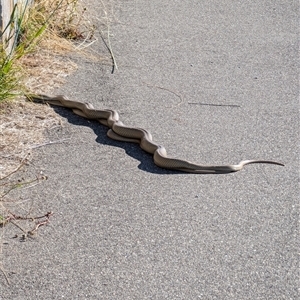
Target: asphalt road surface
215,82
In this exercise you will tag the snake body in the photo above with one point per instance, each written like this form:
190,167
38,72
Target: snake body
118,131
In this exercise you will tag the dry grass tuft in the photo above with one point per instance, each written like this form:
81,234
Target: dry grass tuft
67,28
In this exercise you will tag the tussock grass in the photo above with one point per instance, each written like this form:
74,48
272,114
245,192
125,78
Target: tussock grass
45,30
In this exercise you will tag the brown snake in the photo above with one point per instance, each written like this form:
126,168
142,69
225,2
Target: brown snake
118,131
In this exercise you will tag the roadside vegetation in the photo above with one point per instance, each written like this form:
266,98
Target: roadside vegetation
42,34
39,31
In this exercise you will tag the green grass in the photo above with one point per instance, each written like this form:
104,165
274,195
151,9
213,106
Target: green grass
45,19
27,34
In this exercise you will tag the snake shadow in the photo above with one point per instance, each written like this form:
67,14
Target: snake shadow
131,149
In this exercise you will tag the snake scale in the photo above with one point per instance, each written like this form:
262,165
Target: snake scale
118,131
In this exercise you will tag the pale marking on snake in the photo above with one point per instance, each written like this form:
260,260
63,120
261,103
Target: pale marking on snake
118,131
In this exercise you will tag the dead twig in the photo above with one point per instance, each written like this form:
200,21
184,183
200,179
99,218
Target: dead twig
41,223
16,217
209,104
18,168
5,275
108,43
19,184
165,89
13,217
49,143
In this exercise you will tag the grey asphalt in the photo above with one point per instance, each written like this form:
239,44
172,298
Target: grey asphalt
215,82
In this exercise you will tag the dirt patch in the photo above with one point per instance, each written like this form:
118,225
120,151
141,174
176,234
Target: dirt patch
45,72
22,128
